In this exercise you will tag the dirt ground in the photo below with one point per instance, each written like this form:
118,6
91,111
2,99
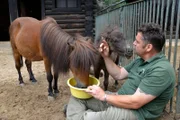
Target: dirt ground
30,102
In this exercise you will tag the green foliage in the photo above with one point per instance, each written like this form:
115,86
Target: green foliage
109,2
101,4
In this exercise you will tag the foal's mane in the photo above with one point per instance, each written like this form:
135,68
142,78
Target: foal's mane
65,51
114,38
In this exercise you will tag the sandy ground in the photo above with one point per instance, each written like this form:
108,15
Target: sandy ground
30,102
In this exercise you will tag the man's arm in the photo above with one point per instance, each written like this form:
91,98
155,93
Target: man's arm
114,70
135,101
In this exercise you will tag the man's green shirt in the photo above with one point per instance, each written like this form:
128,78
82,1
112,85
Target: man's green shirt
156,77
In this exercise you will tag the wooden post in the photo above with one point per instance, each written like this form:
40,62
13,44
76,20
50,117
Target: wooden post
13,11
177,116
42,9
89,18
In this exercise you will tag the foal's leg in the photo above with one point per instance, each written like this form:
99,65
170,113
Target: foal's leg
117,62
18,63
106,79
29,69
92,72
97,71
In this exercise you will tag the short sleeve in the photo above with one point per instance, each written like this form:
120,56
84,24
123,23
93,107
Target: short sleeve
155,81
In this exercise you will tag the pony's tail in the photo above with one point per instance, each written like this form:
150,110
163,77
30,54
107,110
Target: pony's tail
84,55
13,31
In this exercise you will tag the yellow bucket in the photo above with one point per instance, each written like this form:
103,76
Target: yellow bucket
79,92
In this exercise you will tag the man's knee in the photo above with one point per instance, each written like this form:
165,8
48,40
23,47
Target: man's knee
90,115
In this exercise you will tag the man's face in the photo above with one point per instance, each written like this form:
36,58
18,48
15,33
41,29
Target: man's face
139,45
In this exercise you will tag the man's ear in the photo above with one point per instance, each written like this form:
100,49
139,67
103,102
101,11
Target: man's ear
149,47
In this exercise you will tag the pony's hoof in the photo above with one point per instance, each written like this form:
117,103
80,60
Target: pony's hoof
56,91
33,81
22,84
56,94
51,98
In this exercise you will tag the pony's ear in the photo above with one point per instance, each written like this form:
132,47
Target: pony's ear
89,39
70,42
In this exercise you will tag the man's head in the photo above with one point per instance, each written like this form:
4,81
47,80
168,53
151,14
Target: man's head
150,37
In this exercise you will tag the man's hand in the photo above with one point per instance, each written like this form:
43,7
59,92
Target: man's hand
96,92
104,49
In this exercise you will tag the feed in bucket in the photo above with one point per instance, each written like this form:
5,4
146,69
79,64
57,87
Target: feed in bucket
79,92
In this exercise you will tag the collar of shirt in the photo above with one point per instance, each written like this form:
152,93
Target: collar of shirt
157,56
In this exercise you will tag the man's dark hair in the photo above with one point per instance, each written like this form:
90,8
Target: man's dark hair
153,34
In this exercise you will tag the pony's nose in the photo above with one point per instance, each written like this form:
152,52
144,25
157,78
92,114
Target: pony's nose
129,52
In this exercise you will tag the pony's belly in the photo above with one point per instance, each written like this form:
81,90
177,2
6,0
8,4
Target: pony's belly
33,57
37,58
30,54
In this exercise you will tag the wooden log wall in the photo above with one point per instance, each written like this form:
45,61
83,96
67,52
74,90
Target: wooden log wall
71,21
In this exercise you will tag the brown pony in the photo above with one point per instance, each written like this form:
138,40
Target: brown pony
118,47
44,40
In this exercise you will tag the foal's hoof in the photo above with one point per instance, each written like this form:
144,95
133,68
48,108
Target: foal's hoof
115,86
